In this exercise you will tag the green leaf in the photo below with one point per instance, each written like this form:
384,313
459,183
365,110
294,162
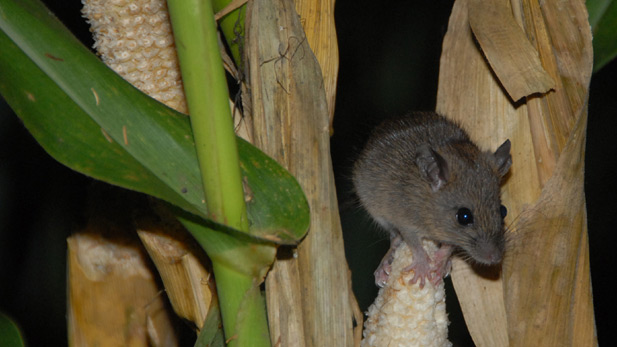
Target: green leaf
10,336
596,9
235,250
93,121
211,334
603,21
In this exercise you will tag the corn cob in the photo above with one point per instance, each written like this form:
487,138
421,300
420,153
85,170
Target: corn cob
134,38
404,314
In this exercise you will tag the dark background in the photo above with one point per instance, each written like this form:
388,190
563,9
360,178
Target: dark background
389,57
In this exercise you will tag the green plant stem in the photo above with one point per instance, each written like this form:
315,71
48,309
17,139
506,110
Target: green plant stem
208,102
232,27
249,305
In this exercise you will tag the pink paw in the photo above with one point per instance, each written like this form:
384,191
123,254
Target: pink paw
385,267
421,272
382,273
423,268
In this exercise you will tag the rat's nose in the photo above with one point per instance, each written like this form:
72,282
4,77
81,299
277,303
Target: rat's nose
488,253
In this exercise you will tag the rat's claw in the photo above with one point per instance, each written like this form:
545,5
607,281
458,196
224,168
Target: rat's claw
382,273
415,279
380,280
436,279
385,267
421,271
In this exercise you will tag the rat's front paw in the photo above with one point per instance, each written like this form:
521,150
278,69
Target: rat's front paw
434,271
421,272
442,263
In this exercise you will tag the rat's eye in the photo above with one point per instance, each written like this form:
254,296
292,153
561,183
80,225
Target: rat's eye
464,216
503,210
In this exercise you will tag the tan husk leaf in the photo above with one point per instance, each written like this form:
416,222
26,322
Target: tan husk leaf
543,295
308,290
113,295
513,59
182,265
317,19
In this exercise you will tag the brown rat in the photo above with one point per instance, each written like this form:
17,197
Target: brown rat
421,177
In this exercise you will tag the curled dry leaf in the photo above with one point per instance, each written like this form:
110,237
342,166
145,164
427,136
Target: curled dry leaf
181,265
513,59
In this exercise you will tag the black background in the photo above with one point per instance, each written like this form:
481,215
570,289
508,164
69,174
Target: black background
389,57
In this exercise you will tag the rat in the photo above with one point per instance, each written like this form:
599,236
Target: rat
420,177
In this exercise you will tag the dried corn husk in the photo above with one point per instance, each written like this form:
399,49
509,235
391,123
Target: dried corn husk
317,19
182,265
113,296
543,295
309,296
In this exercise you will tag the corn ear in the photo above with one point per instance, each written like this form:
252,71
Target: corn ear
134,38
404,314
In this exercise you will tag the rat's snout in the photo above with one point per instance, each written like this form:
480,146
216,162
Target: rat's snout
487,252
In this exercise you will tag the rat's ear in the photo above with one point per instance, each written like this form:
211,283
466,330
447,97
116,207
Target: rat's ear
433,167
503,160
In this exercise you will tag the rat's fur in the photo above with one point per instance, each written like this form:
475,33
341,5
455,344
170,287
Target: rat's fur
416,172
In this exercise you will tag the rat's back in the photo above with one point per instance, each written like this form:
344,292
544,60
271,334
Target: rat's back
386,169
415,129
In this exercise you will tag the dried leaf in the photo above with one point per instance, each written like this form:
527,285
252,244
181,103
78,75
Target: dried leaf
308,290
545,285
317,18
507,49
